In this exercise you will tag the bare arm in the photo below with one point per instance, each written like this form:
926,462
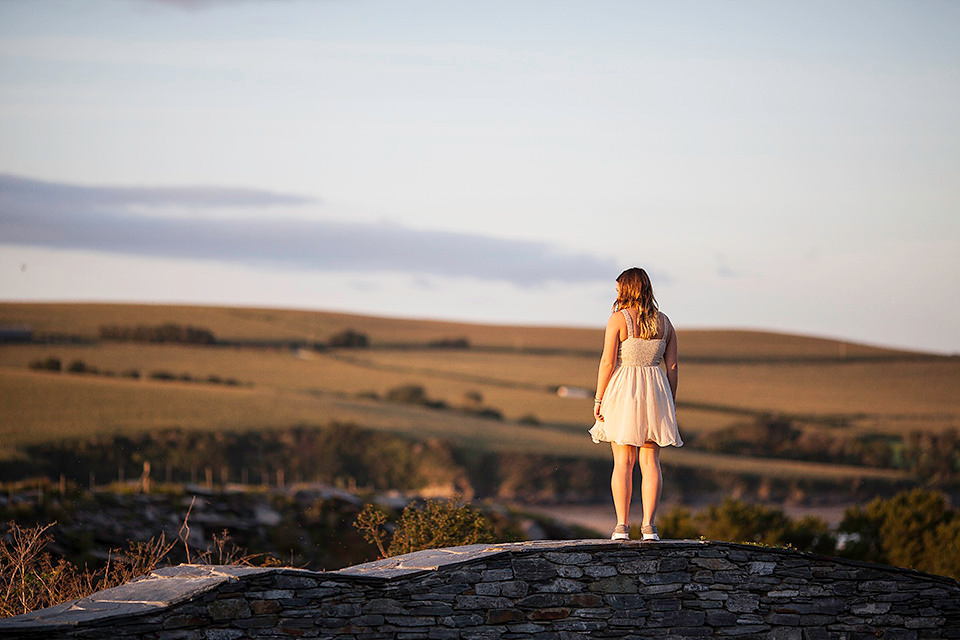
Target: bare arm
670,357
611,340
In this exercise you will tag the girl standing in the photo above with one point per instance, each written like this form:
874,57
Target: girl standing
634,408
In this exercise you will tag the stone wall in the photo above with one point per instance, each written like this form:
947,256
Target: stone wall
560,589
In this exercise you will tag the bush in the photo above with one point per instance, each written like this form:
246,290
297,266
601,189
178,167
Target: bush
48,364
434,524
349,338
906,530
738,521
779,437
413,394
408,394
764,435
934,457
77,366
169,332
677,524
449,343
487,412
437,524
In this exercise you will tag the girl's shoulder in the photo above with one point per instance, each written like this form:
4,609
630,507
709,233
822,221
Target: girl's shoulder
617,319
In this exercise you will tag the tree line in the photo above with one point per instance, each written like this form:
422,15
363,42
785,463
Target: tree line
162,333
932,457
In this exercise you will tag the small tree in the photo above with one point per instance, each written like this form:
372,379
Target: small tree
370,523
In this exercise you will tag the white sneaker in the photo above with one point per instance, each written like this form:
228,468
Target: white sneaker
649,532
622,532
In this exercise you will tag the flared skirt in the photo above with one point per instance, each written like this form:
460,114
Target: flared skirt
638,408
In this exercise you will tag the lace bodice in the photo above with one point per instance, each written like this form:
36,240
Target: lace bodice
637,352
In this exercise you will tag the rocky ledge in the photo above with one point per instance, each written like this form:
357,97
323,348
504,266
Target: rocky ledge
544,589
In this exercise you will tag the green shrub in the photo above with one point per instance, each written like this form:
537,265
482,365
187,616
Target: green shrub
738,521
677,524
433,524
907,530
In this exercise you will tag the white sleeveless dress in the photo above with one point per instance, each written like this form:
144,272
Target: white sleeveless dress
637,404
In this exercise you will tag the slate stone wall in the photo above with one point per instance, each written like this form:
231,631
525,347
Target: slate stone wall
563,589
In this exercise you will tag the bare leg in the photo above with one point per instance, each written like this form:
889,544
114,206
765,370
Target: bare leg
651,482
621,480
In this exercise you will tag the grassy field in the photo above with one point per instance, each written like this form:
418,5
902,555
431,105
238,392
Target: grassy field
727,377
274,324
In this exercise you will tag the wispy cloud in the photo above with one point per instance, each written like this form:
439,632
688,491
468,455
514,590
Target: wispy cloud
66,216
36,196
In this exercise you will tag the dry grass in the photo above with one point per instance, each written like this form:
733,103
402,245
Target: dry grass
33,578
730,344
231,323
883,395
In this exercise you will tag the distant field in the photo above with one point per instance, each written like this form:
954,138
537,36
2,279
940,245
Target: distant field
229,323
274,324
727,377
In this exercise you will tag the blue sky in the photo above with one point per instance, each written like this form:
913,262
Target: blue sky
790,166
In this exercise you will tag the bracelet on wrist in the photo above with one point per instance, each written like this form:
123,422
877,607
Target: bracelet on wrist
597,401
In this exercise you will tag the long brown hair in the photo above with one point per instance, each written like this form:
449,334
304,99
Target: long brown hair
634,291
